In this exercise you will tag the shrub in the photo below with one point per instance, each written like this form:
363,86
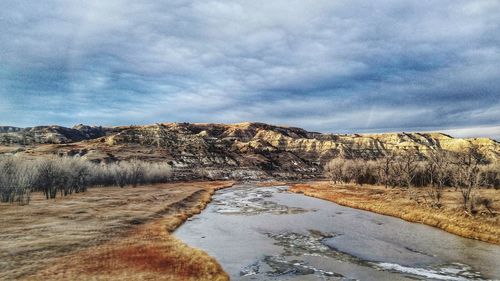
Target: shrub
407,169
16,180
491,175
66,175
487,203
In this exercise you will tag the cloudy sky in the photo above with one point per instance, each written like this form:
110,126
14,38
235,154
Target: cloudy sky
330,66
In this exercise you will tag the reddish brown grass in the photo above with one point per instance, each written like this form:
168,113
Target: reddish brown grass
145,251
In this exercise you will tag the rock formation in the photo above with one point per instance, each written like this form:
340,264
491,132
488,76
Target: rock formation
244,150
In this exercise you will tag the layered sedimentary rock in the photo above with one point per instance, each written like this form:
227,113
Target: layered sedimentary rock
247,150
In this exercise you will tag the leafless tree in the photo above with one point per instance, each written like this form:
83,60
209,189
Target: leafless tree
385,168
136,171
465,171
334,170
16,180
119,173
67,175
437,169
468,174
491,175
157,172
48,178
406,165
352,170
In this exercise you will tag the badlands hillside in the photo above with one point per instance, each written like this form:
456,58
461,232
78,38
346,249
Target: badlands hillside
244,150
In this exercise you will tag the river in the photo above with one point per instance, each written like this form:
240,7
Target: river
267,233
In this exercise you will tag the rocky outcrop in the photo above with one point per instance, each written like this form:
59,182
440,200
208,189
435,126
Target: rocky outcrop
9,129
244,149
49,134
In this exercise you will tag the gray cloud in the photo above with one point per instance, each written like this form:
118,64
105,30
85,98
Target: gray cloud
340,66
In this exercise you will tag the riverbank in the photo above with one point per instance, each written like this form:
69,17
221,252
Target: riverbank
107,233
396,203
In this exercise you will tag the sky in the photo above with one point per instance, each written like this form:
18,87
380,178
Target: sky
329,66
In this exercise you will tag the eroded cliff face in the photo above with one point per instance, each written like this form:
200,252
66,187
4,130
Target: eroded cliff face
245,150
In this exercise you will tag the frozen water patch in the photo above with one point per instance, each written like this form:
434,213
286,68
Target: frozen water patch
312,244
252,202
296,244
279,266
252,269
265,234
229,211
452,272
289,263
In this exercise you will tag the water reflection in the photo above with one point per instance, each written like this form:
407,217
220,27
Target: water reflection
269,234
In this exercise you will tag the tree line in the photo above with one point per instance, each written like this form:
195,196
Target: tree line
409,169
20,176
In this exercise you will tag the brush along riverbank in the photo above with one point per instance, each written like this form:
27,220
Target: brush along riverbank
483,226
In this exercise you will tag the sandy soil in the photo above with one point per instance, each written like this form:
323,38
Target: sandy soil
107,233
395,202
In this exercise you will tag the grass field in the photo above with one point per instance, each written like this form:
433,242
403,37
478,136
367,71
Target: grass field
395,202
107,233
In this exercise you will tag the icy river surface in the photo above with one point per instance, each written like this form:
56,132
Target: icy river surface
267,233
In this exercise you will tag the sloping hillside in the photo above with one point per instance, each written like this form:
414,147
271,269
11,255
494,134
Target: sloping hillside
246,150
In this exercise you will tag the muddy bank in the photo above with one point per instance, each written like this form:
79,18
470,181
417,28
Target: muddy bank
395,202
268,233
84,236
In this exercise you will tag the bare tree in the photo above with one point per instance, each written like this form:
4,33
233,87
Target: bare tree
157,172
406,165
334,170
48,177
369,172
385,168
405,168
119,173
437,169
68,175
136,171
351,171
76,174
16,180
468,175
491,175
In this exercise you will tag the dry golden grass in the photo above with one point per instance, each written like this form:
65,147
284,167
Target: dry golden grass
396,203
107,234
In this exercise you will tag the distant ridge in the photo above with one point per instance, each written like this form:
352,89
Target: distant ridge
253,149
